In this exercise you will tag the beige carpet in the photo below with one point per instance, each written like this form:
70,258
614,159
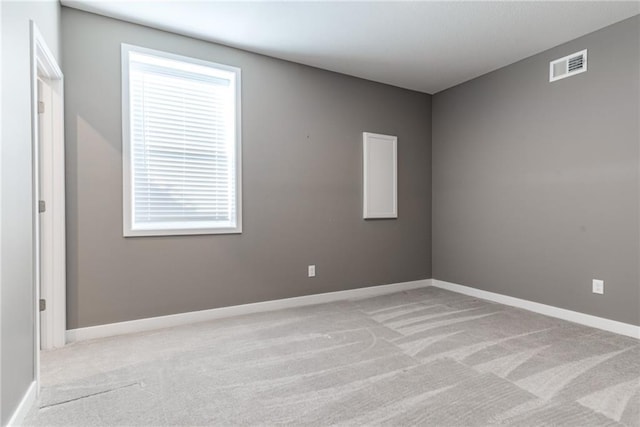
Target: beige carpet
424,357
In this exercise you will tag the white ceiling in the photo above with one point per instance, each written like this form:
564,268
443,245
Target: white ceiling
426,46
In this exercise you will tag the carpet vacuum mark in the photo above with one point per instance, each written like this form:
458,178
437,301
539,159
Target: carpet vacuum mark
421,357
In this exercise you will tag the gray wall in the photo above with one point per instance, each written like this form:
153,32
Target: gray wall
17,331
302,144
535,184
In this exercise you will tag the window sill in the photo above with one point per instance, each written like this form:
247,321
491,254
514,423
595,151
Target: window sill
182,232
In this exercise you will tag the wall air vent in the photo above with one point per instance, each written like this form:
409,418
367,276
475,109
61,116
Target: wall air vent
568,66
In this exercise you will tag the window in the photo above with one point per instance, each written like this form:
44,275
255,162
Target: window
181,145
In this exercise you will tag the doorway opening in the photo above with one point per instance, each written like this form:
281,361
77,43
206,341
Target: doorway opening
48,198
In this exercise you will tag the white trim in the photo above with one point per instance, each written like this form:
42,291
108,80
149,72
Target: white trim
44,65
127,224
92,332
366,172
58,303
153,323
35,37
548,310
27,402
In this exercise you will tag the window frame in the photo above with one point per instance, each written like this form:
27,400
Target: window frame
127,158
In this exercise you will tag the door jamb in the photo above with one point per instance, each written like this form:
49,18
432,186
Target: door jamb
44,65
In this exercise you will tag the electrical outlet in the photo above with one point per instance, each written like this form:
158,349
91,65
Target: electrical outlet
598,286
312,271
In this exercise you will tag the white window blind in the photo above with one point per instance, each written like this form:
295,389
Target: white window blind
182,143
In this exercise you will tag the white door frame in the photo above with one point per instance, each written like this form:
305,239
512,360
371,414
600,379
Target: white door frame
53,252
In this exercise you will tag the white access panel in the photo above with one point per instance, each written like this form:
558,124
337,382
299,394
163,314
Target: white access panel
380,159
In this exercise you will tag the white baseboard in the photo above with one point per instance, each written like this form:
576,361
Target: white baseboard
24,406
148,324
548,310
